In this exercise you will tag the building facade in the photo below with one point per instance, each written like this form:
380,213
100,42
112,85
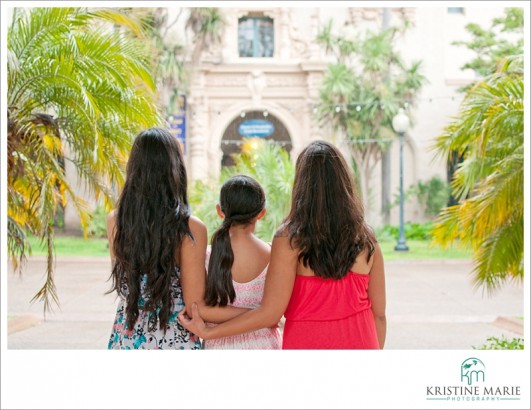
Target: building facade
269,68
265,76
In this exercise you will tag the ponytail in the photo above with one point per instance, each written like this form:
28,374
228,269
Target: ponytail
219,286
241,200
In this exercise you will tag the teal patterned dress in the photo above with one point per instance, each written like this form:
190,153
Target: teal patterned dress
140,337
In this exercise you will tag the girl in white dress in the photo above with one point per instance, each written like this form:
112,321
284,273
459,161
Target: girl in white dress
238,261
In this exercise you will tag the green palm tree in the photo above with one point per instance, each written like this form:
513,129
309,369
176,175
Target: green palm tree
489,134
207,25
266,162
168,50
362,91
489,45
79,88
168,53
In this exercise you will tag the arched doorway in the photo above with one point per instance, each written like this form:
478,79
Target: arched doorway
252,124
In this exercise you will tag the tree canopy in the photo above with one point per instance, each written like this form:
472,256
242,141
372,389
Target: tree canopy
80,86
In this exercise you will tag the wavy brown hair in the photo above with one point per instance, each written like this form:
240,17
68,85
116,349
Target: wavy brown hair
326,222
151,222
241,199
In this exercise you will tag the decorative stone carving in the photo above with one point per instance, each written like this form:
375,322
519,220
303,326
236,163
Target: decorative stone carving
372,13
197,109
406,13
213,54
355,14
238,80
283,34
299,44
313,49
286,81
256,81
314,80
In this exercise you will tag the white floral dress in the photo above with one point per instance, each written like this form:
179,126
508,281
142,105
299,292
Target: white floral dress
175,337
248,295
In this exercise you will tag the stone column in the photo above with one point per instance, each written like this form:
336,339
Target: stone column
198,127
314,50
214,159
198,162
229,51
197,138
283,38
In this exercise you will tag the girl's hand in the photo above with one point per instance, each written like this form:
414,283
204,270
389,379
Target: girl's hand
196,324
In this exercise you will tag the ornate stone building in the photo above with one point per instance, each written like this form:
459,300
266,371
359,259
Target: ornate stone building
265,79
231,87
269,70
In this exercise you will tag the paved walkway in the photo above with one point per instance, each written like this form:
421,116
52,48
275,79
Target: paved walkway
430,305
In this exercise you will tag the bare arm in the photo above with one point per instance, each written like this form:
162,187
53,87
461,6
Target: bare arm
377,295
193,275
192,257
278,287
218,314
111,224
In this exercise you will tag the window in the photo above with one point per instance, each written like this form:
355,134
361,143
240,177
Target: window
456,10
256,37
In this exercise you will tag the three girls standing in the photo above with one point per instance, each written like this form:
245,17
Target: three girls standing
325,274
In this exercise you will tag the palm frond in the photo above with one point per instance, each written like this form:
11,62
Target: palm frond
489,182
89,74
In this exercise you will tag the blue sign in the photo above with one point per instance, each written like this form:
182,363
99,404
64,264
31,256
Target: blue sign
177,122
177,127
256,128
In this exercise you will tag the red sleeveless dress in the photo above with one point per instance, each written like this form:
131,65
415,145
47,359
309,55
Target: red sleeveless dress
330,314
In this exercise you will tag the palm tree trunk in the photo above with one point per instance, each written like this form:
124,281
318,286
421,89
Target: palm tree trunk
198,50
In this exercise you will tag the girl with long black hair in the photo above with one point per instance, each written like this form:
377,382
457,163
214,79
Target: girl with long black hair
238,261
326,274
157,250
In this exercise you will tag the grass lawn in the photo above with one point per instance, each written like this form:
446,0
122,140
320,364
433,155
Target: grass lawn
418,250
422,250
72,246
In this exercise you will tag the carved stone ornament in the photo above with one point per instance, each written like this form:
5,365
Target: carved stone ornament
355,14
256,81
233,80
372,13
406,13
299,44
286,81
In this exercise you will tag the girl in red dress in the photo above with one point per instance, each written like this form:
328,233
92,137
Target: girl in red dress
326,274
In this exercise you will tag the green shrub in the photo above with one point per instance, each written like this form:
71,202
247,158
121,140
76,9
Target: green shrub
59,218
494,343
412,231
271,166
433,195
98,224
387,233
419,231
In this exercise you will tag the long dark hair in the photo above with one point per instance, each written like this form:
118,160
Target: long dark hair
241,200
151,222
326,222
